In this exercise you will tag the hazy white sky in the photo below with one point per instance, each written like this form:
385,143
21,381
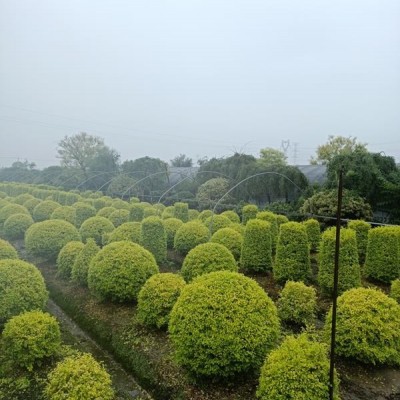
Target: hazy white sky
200,77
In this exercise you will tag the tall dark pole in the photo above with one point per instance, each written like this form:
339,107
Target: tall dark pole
335,285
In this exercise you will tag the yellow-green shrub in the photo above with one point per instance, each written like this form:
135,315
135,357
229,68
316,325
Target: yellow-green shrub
31,204
11,209
16,225
361,228
205,258
157,297
120,204
80,267
94,228
181,211
22,288
7,250
154,238
149,212
79,377
217,221
249,212
105,212
273,220
229,238
171,225
66,258
130,231
367,327
66,213
119,217
119,270
83,212
46,239
313,230
31,337
136,212
298,369
223,324
44,210
22,198
168,212
193,214
292,260
281,219
189,235
395,290
234,217
204,215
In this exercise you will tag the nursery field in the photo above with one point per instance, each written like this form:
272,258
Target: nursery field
193,305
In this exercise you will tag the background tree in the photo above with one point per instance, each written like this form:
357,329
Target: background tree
181,161
272,157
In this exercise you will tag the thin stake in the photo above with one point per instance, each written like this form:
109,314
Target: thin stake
335,285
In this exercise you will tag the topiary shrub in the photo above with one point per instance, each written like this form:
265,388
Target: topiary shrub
79,377
181,211
234,217
313,230
22,288
22,198
130,231
292,261
119,271
119,217
11,209
94,228
171,225
204,215
31,204
193,214
349,268
105,212
80,267
16,225
46,239
157,297
154,238
297,303
222,325
66,258
83,212
256,249
66,213
189,235
382,261
395,290
120,204
136,213
281,219
273,220
216,222
367,327
249,212
44,209
168,212
297,369
31,337
205,258
7,250
229,238
149,212
361,228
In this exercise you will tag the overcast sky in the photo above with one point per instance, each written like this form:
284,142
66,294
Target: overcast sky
200,77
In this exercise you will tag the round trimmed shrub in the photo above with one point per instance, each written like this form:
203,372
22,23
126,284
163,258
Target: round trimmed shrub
361,228
46,239
216,222
313,230
80,267
22,288
382,261
119,217
66,213
22,198
157,297
105,212
171,226
94,228
297,369
204,215
193,214
30,337
31,204
130,231
273,220
234,217
395,290
229,238
189,235
154,238
100,203
367,327
181,211
136,213
16,225
150,212
7,250
249,212
205,258
223,324
44,210
66,258
297,303
256,249
11,209
119,271
83,212
168,212
349,268
281,219
292,260
120,204
79,377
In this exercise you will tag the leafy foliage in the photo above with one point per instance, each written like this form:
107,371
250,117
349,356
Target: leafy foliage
94,228
313,230
229,238
80,267
211,191
181,211
216,222
7,250
154,238
10,209
66,258
232,215
395,290
361,228
44,210
130,231
223,324
83,212
171,226
67,213
273,220
189,235
119,217
16,225
249,212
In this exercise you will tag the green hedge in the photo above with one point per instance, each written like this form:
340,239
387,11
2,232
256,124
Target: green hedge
382,261
154,238
249,212
349,268
273,220
136,212
367,327
168,212
181,211
22,288
229,238
222,325
66,258
313,230
157,297
205,258
80,267
7,250
361,228
46,239
292,261
119,271
171,226
298,370
189,235
43,210
95,228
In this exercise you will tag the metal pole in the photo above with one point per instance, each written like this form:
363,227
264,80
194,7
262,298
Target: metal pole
335,285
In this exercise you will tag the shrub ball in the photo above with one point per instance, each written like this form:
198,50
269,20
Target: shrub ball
66,258
229,238
16,225
7,250
189,235
94,228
